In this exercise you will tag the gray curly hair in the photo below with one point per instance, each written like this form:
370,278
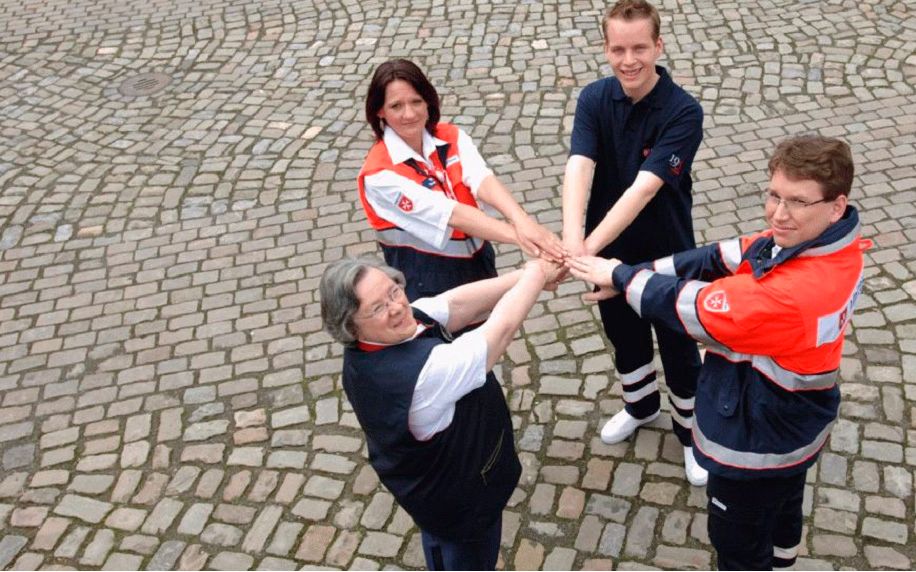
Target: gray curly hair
338,293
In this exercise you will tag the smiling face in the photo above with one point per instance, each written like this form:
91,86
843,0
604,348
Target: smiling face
632,50
406,112
384,315
794,226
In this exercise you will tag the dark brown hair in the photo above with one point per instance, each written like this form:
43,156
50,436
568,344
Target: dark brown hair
629,10
825,160
407,71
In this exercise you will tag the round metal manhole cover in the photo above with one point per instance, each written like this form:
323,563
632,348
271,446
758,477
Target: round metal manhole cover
145,84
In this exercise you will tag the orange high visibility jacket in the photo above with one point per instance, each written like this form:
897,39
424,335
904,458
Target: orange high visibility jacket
767,395
445,177
429,269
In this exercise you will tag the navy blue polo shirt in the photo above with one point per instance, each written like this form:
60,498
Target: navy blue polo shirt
660,134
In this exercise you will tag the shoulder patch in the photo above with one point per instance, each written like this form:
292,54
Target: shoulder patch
405,204
716,302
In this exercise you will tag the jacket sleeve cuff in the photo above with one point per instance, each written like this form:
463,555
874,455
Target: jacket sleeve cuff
622,276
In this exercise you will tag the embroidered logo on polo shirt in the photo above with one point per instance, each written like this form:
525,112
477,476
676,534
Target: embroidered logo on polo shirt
716,302
405,204
676,165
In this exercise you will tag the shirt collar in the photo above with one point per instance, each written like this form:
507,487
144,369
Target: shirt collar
835,237
400,151
376,346
655,97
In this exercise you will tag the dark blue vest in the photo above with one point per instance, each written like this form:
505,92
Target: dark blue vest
456,484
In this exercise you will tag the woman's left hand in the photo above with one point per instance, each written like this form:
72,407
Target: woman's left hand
536,240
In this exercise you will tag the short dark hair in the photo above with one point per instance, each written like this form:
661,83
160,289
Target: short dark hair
337,290
407,71
629,10
826,160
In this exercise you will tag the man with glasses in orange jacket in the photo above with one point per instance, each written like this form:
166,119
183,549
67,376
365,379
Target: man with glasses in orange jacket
772,309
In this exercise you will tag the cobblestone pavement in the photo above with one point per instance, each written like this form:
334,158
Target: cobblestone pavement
167,397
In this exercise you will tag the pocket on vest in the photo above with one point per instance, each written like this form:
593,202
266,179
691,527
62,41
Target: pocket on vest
493,458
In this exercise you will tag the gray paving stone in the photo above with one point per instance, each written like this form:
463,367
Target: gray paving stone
886,557
221,534
261,529
611,508
10,546
83,508
122,561
380,544
274,563
640,534
885,530
195,518
612,539
167,555
626,481
95,553
231,561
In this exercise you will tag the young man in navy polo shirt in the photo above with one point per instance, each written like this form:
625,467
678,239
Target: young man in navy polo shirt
633,143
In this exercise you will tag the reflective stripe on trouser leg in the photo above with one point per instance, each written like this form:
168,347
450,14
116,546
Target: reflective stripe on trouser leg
681,361
640,391
788,531
784,557
634,353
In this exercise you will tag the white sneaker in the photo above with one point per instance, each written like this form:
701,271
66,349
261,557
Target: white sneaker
696,475
622,425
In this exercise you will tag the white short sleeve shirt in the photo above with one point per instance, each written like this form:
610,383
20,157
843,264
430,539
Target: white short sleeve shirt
451,372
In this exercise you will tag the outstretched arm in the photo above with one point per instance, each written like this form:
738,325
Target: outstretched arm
475,222
576,182
624,211
534,239
506,300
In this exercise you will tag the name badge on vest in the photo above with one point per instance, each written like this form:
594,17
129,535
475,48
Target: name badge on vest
429,182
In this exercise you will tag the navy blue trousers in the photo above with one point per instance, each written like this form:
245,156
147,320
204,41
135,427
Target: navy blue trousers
755,524
634,355
443,554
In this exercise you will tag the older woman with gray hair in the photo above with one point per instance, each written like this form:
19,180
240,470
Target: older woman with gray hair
436,421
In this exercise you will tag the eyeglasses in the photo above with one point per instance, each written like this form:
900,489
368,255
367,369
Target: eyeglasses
395,294
792,205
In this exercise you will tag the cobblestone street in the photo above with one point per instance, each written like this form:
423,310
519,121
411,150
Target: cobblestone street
167,396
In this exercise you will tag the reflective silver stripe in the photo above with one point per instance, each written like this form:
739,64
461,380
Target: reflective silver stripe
466,248
685,422
687,311
636,288
784,378
785,553
638,374
681,403
834,246
831,326
665,266
748,460
634,396
791,380
730,250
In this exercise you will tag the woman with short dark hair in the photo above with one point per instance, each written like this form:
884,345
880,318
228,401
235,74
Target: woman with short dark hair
422,186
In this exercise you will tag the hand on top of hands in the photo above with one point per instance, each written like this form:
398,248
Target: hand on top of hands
595,270
536,240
